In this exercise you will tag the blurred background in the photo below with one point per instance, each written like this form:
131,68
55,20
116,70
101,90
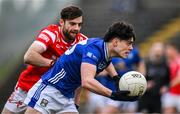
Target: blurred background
21,20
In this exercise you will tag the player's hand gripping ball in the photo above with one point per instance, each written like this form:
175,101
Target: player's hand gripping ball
133,81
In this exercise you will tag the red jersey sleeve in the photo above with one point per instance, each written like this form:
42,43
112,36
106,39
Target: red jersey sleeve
46,37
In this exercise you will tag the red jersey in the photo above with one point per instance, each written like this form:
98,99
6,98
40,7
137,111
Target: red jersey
52,40
174,69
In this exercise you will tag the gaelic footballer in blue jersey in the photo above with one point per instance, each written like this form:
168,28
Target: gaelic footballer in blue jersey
55,91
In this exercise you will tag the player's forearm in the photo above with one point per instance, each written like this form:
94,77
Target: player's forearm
111,70
96,87
34,58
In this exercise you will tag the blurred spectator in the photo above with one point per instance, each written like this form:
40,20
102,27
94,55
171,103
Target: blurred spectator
105,105
171,100
157,74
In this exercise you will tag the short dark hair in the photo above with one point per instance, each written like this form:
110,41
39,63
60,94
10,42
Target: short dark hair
120,30
71,12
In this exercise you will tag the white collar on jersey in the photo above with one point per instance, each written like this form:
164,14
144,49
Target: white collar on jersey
106,51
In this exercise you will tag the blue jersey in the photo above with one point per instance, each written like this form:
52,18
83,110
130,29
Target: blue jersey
65,75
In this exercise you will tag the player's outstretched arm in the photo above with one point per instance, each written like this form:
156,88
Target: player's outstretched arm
111,70
33,56
88,72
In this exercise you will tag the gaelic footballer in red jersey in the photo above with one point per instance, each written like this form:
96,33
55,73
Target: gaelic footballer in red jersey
51,42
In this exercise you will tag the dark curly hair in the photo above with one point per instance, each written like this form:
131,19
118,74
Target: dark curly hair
71,12
120,30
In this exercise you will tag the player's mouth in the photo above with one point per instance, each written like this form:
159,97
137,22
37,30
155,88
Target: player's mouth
74,32
126,53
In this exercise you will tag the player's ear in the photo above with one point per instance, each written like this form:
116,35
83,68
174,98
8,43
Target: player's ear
115,42
61,22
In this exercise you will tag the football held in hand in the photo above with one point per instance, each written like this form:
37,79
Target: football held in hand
133,81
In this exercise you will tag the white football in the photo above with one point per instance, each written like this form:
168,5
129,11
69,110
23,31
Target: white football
133,81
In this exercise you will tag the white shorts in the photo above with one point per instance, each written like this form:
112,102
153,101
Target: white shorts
98,101
15,101
171,100
95,102
47,99
123,105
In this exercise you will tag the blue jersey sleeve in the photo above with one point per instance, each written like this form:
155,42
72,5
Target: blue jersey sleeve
91,55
